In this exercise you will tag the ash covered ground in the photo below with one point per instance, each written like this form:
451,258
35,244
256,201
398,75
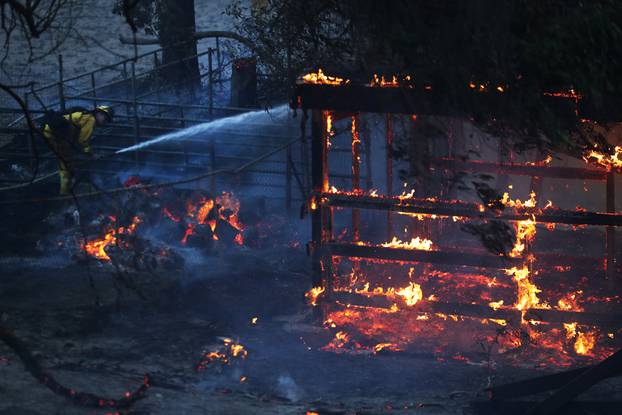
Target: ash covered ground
181,321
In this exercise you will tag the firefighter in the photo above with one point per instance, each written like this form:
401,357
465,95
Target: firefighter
70,134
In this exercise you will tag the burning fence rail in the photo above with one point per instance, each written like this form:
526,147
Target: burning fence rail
373,304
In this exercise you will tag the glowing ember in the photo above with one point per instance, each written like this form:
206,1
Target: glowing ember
223,355
415,243
320,78
97,247
228,211
495,305
381,82
570,302
507,202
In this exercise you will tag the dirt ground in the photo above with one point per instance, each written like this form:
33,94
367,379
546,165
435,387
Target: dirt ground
49,304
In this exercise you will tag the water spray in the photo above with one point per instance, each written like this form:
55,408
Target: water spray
275,114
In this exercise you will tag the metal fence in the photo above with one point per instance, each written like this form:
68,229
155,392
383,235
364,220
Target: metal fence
147,107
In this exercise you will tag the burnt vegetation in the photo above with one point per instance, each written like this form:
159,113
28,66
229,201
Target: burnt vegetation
527,51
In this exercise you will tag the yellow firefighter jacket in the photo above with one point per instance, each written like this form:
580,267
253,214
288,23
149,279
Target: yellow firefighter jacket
84,124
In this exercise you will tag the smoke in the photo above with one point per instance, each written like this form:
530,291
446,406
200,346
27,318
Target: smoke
278,113
287,388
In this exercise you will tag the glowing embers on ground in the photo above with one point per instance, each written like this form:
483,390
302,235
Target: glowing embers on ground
407,318
222,355
97,247
320,77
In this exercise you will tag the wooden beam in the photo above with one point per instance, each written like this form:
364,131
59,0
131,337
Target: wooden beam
560,399
519,169
447,100
538,384
416,255
519,408
451,208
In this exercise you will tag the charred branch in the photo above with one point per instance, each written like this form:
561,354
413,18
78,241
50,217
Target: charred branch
32,366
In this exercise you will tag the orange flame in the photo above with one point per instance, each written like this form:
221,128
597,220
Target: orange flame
609,161
320,78
313,294
97,247
415,243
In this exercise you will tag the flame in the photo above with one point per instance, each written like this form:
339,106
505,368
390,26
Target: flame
320,78
313,294
411,293
97,247
508,202
330,133
570,302
382,346
609,161
381,82
495,305
571,330
415,243
223,355
527,292
525,232
204,210
405,195
228,211
585,343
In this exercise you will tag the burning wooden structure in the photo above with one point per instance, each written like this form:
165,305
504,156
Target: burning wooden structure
368,299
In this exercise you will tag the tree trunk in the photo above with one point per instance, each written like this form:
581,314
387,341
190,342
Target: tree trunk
176,34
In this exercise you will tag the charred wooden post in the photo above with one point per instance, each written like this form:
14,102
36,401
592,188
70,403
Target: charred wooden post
244,83
610,262
356,177
321,223
389,172
368,162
